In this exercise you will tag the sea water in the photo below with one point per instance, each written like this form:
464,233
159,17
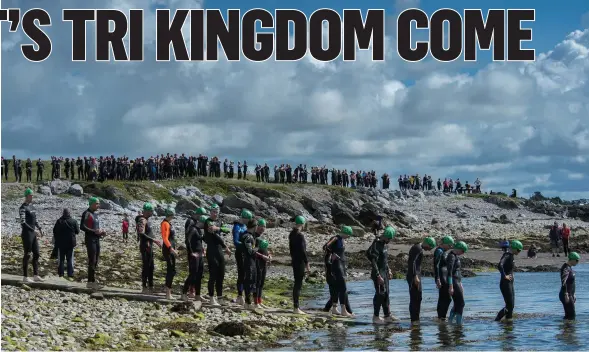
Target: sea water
537,324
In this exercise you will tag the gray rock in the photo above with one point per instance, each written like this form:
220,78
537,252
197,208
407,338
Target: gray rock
218,199
244,200
288,206
59,186
184,206
44,190
76,190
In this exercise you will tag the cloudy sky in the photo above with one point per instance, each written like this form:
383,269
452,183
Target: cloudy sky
523,126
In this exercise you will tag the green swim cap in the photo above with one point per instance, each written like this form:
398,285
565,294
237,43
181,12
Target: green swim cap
347,230
389,232
200,211
203,218
147,207
214,207
516,245
169,212
93,200
448,240
430,241
225,229
300,220
462,246
263,244
262,223
28,192
574,256
246,214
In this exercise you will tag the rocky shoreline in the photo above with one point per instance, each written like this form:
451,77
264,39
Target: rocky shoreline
480,221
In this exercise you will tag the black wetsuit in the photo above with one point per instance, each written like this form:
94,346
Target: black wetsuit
28,221
215,258
567,279
441,273
338,270
249,266
333,293
89,223
238,230
298,253
377,253
146,248
506,265
193,239
260,274
413,271
169,257
454,275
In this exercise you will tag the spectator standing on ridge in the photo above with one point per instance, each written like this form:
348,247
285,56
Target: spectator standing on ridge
555,237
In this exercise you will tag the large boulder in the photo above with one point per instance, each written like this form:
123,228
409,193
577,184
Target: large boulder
242,200
76,190
185,205
369,213
59,186
343,216
44,190
108,192
263,193
288,206
318,209
503,202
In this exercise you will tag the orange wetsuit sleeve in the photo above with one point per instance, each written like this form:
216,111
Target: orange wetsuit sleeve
166,234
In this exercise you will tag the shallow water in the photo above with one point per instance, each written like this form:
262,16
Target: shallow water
537,324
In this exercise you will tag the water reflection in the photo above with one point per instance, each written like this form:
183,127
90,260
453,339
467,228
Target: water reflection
568,332
337,339
507,335
416,337
382,338
443,334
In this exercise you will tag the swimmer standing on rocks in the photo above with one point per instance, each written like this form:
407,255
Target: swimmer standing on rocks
30,231
300,263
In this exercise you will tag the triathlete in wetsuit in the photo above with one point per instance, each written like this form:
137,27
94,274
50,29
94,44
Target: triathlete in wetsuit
336,268
262,260
441,276
377,254
146,241
333,297
92,234
193,238
298,252
238,230
455,287
506,266
414,276
250,270
567,288
29,233
169,249
216,250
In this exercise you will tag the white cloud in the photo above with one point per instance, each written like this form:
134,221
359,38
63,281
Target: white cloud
512,125
576,176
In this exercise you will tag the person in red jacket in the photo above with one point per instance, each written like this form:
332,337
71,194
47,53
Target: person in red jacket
565,233
125,228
